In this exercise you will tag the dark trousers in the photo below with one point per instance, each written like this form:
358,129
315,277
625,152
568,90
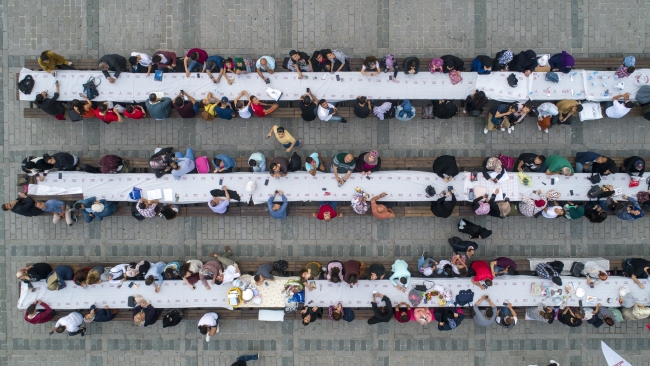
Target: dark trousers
77,332
596,321
555,120
65,67
375,320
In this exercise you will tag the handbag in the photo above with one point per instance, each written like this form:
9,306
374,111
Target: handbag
74,116
136,194
634,182
90,88
423,287
595,178
26,85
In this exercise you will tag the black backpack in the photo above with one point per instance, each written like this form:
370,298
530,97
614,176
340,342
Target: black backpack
557,266
295,163
576,269
596,192
280,266
135,213
26,85
285,63
512,80
74,116
172,318
464,297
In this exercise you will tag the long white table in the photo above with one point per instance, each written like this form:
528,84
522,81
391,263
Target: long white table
173,294
131,87
513,289
401,186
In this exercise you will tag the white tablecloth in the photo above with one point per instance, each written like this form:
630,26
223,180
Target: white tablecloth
578,182
173,294
513,289
137,87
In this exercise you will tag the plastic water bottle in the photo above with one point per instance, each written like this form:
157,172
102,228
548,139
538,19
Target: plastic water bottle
604,84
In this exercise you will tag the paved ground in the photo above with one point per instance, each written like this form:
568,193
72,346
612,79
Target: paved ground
90,28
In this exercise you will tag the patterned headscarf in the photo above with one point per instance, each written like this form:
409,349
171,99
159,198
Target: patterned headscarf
374,154
506,57
494,164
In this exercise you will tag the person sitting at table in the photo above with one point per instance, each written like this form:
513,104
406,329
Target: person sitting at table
547,272
568,317
498,118
589,161
220,204
36,166
100,315
231,271
50,61
422,315
402,312
134,111
443,208
617,108
545,112
561,62
637,312
148,208
362,107
209,325
401,273
352,271
312,271
71,323
223,163
265,64
142,63
164,60
466,249
155,275
210,270
34,273
314,162
116,274
594,213
506,316
84,109
524,61
379,210
376,272
503,266
279,167
493,165
108,115
448,269
448,318
326,211
634,164
531,207
112,62
171,271
552,211
257,161
80,276
144,314
487,317
56,279
529,162
474,103
601,315
566,108
299,62
327,112
343,163
370,66
636,268
368,163
411,65
445,167
319,63
628,211
482,64
243,107
484,206
159,106
452,63
308,107
40,316
196,58
334,272
337,59
277,210
189,272
93,208
623,71
23,205
284,138
336,312
183,164
541,313
481,272
474,231
261,109
215,64
310,314
556,164
502,60
186,108
263,273
137,271
426,264
592,271
51,106
383,314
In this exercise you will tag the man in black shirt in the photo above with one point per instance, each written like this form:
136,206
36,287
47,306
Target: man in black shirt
362,108
383,314
308,107
530,162
51,106
636,268
112,62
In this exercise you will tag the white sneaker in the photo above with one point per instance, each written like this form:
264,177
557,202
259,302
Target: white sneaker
217,328
554,362
503,129
207,338
485,131
539,127
510,130
546,130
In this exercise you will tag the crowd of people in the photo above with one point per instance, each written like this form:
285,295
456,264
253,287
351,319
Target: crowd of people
501,117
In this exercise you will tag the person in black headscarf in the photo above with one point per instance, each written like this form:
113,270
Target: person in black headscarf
525,61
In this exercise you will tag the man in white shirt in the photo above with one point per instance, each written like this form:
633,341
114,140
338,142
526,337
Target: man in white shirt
618,109
326,112
71,323
219,205
209,325
593,271
141,63
244,108
231,271
265,64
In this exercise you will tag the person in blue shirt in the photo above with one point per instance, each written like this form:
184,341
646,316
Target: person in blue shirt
258,162
482,64
223,163
401,272
183,164
92,208
276,210
214,64
155,274
58,208
224,110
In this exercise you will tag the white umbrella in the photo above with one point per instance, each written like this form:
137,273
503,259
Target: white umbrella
613,358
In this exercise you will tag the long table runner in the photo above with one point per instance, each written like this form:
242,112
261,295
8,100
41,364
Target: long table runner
513,289
401,186
129,87
173,294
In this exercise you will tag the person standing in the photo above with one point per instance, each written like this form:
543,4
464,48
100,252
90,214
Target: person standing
209,325
284,138
71,323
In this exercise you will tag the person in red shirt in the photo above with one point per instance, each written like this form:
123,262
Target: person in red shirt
108,115
403,312
259,107
482,272
326,211
34,316
134,111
